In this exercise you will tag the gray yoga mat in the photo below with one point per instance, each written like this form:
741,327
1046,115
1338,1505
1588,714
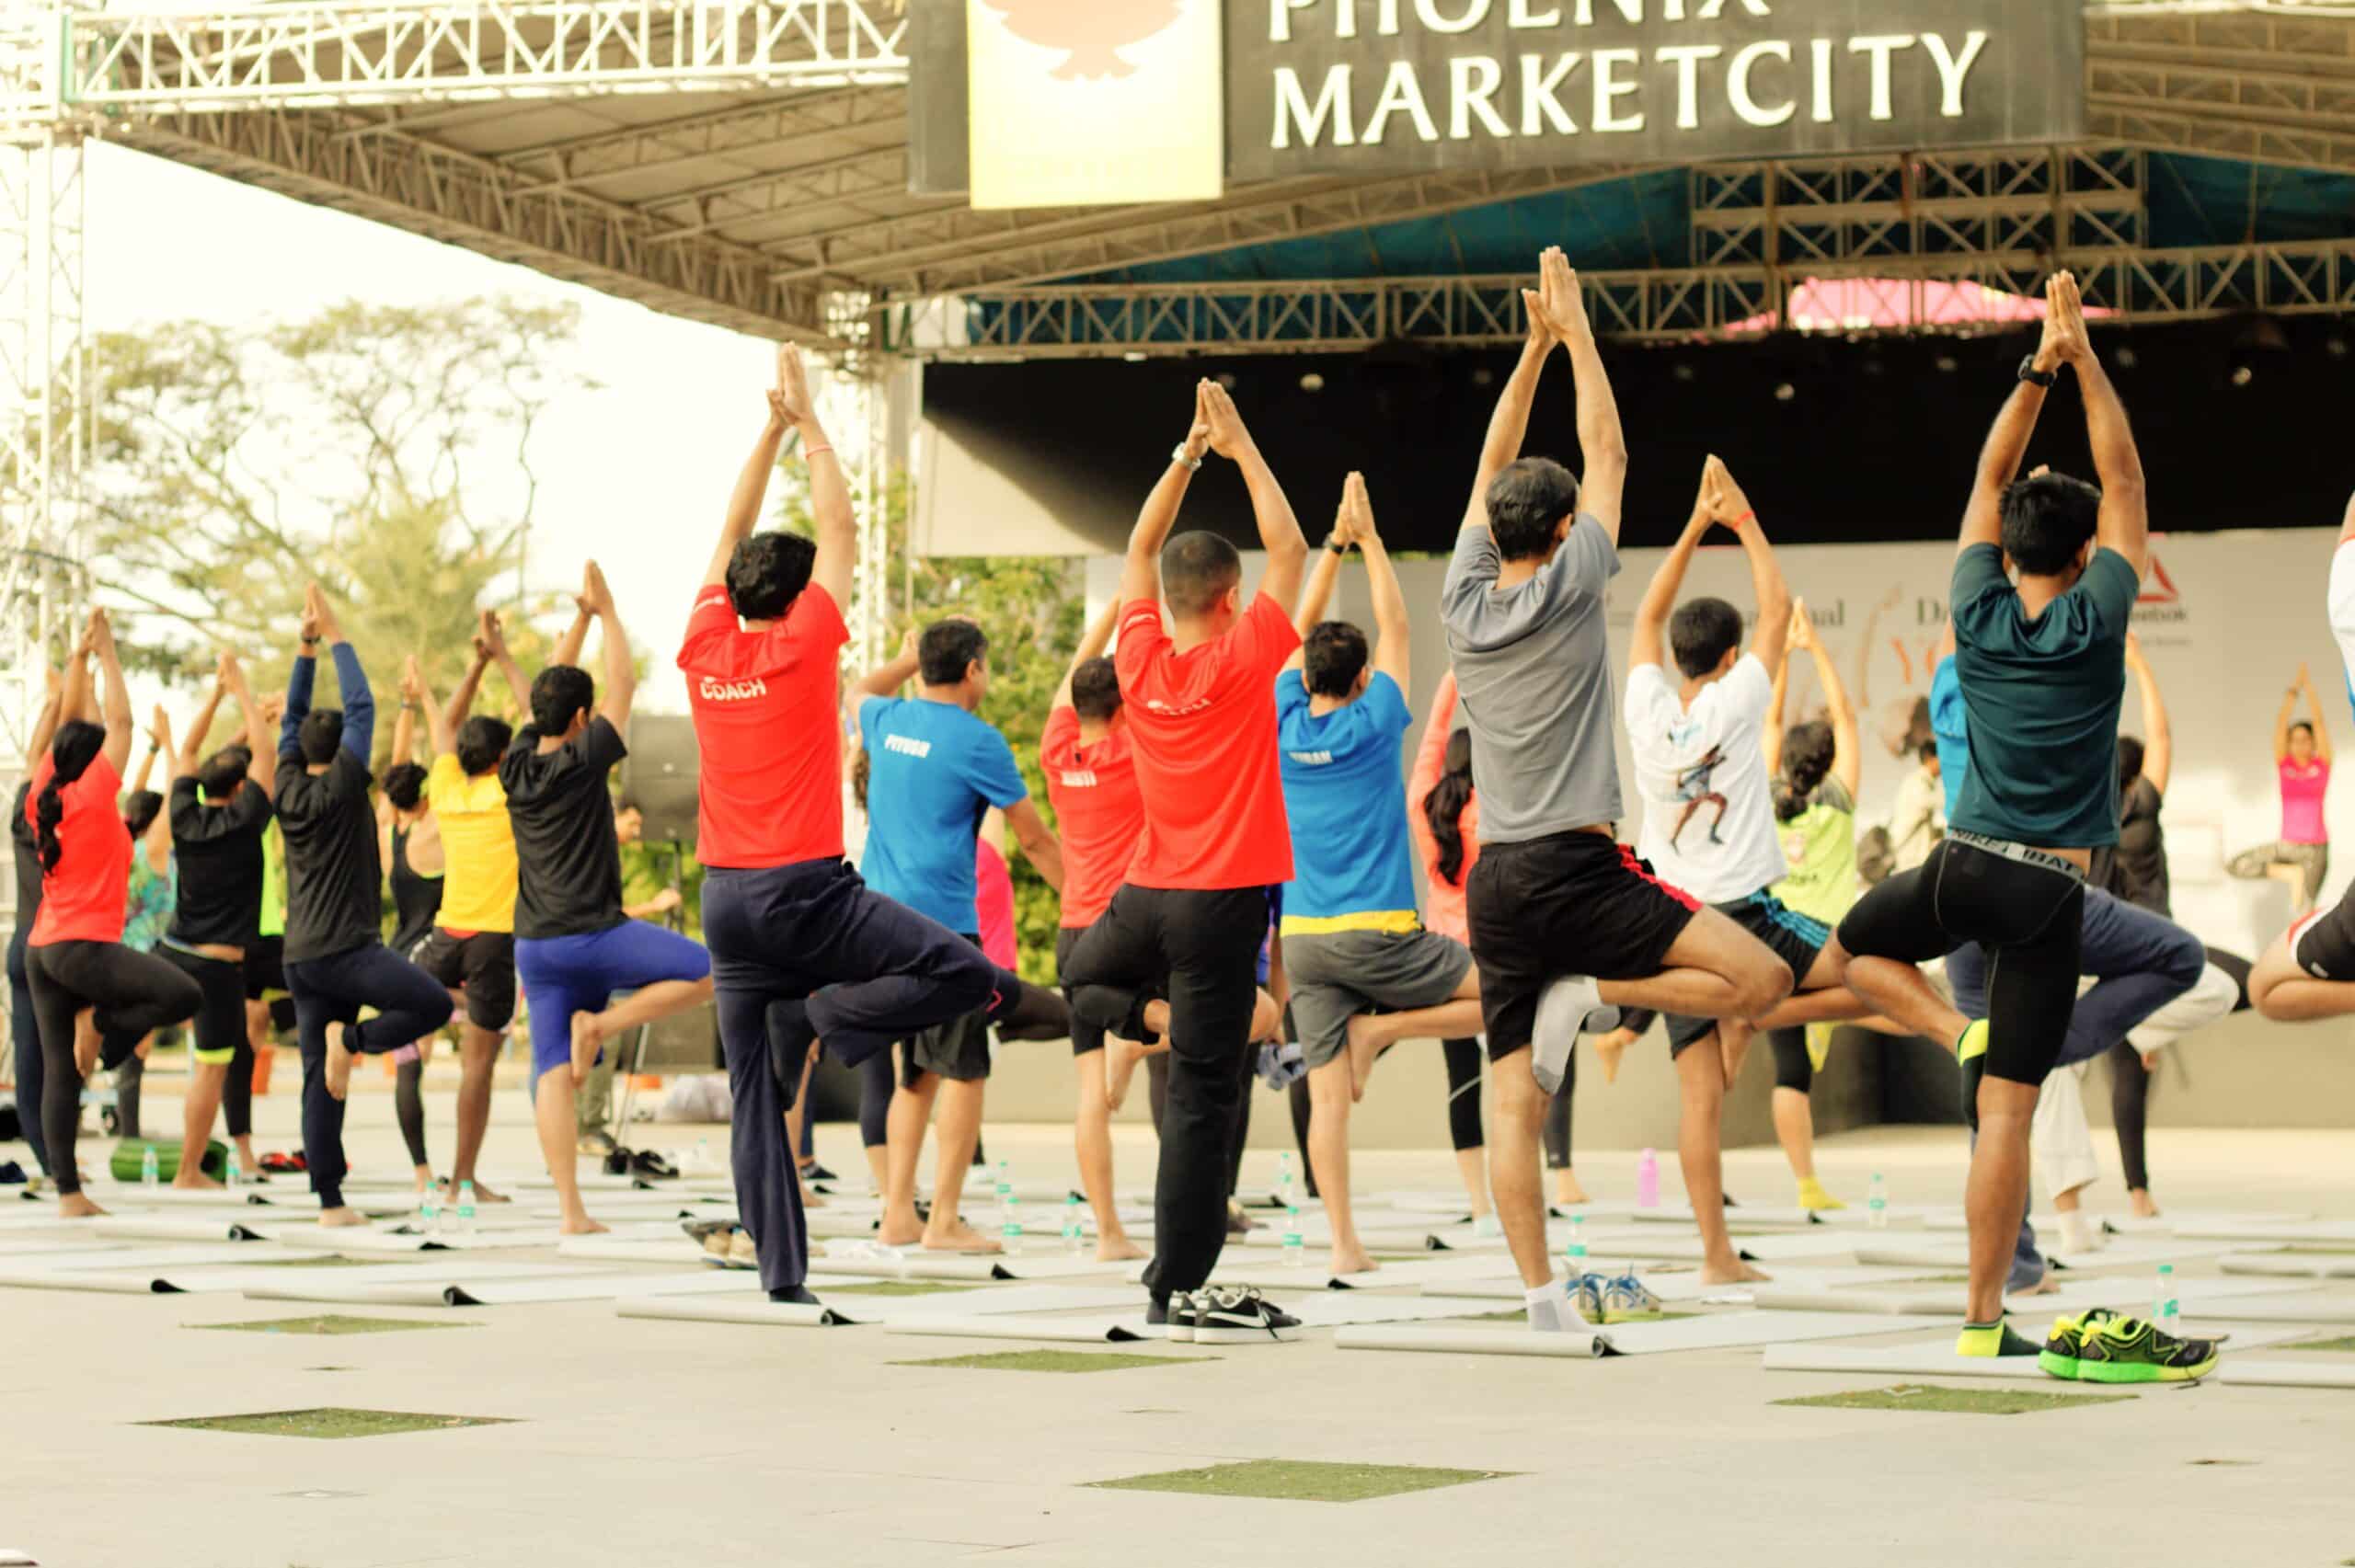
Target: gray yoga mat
1935,1358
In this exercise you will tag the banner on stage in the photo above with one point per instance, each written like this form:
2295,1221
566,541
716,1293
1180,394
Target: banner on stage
1075,102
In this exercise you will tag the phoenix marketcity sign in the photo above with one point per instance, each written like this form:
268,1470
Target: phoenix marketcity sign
1050,101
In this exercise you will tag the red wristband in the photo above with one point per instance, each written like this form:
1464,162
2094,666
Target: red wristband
1746,517
816,452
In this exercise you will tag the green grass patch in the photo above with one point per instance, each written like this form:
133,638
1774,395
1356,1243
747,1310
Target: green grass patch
2345,1341
323,1260
1952,1402
329,1421
894,1288
336,1322
1057,1361
1301,1480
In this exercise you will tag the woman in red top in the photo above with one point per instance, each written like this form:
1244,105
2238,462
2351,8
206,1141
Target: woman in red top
94,999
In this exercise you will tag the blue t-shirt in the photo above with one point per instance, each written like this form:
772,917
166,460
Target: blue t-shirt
1344,794
1952,728
2042,698
934,771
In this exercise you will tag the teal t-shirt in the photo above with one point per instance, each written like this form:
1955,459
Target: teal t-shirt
2041,698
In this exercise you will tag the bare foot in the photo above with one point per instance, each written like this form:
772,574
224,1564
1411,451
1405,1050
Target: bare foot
424,1179
588,1038
1567,1193
1352,1261
1121,1060
194,1176
1608,1050
85,1042
903,1235
484,1195
1364,1047
1740,1274
1118,1249
958,1237
342,1219
580,1225
2144,1206
339,1063
76,1206
2045,1286
1156,1020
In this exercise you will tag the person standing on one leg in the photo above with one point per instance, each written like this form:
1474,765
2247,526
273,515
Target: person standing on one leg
800,948
1567,925
409,844
93,998
1353,940
23,1034
2041,666
934,769
220,811
574,949
337,963
1200,696
1088,756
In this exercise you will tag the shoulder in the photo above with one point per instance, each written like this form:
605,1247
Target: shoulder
1978,571
816,616
1387,702
1061,734
1292,691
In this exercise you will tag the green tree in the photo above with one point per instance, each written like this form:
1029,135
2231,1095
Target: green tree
1034,608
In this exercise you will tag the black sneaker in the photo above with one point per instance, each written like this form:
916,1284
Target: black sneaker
1237,1222
1177,1315
813,1172
1242,1316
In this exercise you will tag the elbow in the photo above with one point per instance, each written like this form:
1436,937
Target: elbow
1607,447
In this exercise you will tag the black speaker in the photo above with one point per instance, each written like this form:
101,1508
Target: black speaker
659,776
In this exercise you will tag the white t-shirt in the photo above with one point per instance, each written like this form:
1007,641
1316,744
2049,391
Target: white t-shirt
1708,811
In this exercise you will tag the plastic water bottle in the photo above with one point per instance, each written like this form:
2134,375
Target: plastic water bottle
1648,1181
1005,1192
232,1179
1010,1232
1074,1237
151,1171
1574,1249
1876,1203
428,1211
2168,1312
1295,1245
465,1209
1285,1183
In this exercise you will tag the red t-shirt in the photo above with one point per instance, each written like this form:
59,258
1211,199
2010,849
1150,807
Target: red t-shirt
1098,813
765,705
1203,724
81,900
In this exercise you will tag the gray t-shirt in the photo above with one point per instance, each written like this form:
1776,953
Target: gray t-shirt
1533,673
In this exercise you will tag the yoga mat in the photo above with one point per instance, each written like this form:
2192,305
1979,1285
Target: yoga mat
675,1249
2267,1228
128,1196
154,1228
1476,1342
175,1279
1333,1309
592,1287
759,1313
351,1241
144,1257
1721,1330
1935,1358
407,1284
950,1306
2289,1265
1054,1331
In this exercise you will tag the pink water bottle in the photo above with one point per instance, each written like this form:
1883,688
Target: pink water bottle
1648,1181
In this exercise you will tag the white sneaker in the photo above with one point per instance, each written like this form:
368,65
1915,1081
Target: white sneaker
1487,1228
1567,1007
1240,1317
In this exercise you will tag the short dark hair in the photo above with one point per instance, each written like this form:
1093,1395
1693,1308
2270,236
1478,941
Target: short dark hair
404,785
1197,568
321,733
2301,723
1928,752
1096,690
1700,633
482,741
223,774
558,692
2047,520
948,649
1526,503
140,809
768,572
2130,760
1334,655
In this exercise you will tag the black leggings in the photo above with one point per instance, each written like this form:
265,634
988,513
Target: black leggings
1462,1058
2030,916
1156,1097
24,1042
1793,1068
408,1106
876,1084
133,993
129,1075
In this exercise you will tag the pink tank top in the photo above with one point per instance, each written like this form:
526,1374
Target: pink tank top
2303,788
993,904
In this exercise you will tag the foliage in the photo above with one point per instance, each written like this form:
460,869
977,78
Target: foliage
1033,608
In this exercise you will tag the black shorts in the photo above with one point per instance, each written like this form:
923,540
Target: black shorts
265,967
959,1049
1084,1037
2323,942
1571,903
1791,936
480,962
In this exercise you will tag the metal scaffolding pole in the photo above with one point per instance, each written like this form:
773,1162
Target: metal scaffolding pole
855,418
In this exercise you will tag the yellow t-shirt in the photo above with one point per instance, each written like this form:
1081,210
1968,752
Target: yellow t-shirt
479,848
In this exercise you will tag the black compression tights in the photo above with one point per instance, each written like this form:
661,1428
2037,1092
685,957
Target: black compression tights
2130,1095
408,1106
1463,1058
1557,1119
1793,1068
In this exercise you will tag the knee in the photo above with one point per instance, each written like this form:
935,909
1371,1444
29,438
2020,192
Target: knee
1518,1096
971,976
1763,988
2185,961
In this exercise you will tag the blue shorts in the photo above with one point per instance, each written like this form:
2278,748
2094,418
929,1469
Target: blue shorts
565,974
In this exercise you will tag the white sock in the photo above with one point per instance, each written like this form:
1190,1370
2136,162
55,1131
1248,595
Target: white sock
2078,1233
1551,1310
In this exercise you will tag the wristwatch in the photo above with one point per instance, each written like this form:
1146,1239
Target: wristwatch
2033,377
1336,546
1177,454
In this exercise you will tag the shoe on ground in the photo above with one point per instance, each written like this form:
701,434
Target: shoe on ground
2064,1345
813,1172
1237,1222
1585,1293
1487,1228
1815,1200
1567,1007
741,1252
1232,1316
2128,1350
1626,1300
1177,1315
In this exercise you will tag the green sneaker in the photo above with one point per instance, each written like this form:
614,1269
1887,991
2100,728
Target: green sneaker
2064,1345
2128,1350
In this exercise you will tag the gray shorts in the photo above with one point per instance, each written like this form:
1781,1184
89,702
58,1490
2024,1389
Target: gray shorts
1337,974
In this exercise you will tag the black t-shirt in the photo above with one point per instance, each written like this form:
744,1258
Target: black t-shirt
26,840
219,851
2136,870
333,869
567,863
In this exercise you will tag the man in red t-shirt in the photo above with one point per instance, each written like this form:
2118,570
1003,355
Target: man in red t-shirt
800,950
1200,712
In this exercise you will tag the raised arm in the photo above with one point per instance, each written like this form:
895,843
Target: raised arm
1038,841
1648,643
891,675
1317,596
2125,522
412,691
1508,426
829,487
446,721
1771,736
491,645
743,513
2281,721
159,741
1999,459
1769,638
1847,755
621,671
1279,534
1140,573
301,676
351,680
1393,645
116,701
263,770
2158,741
45,722
2313,706
74,697
1601,440
1092,644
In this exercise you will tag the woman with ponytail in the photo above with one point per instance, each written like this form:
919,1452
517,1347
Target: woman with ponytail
93,998
1816,766
24,1043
